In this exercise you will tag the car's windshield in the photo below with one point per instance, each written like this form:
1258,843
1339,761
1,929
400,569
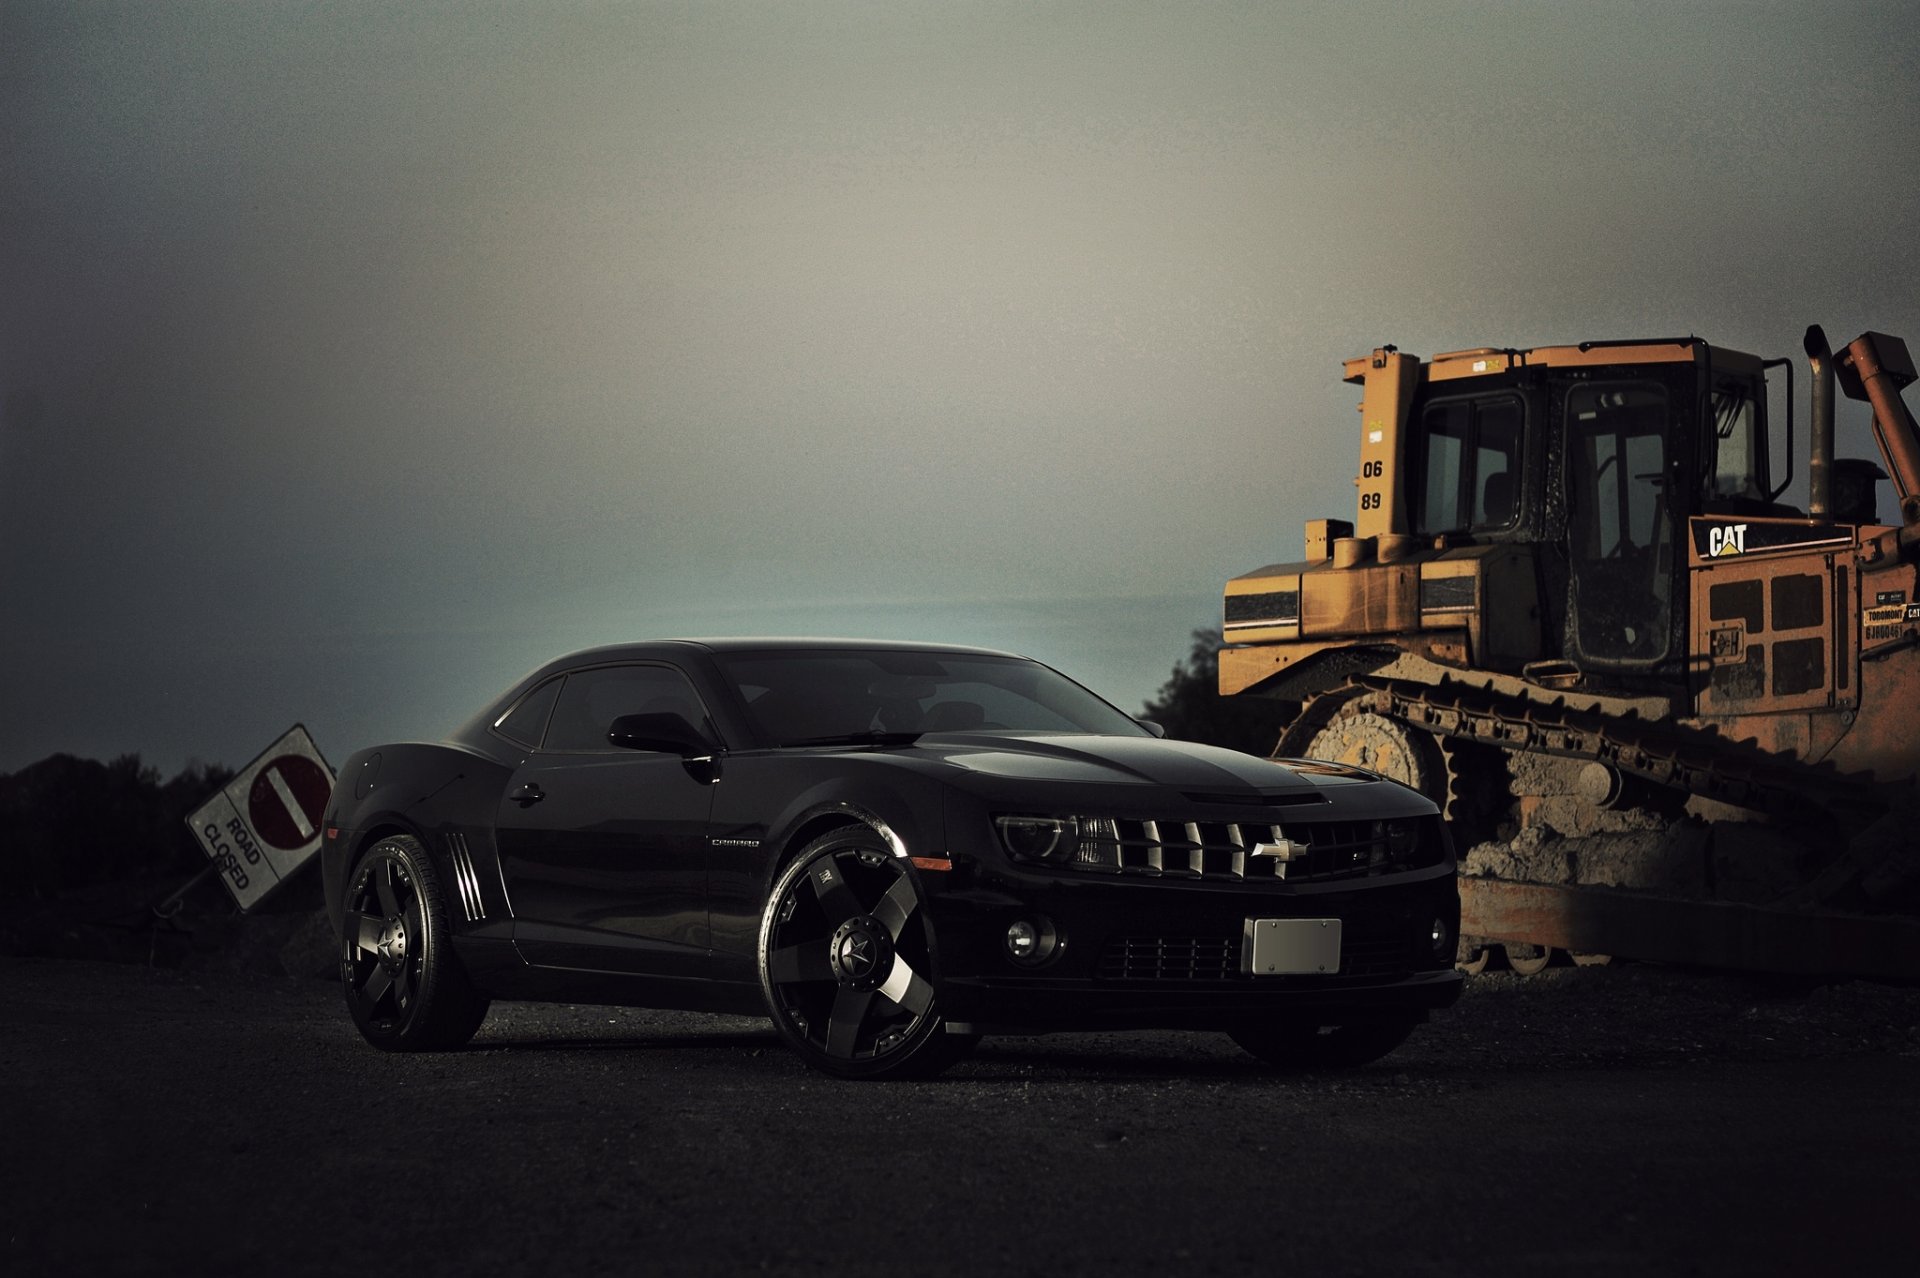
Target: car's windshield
796,697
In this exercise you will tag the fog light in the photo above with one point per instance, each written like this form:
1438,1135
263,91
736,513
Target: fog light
1031,942
1441,937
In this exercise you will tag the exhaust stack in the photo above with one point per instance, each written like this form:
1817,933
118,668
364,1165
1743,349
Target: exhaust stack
1820,445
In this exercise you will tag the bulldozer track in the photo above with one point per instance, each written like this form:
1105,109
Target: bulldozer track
1691,760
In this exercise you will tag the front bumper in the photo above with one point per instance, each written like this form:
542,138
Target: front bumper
1136,954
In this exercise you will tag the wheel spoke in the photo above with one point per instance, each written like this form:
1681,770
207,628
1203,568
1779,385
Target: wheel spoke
843,1026
365,930
897,906
906,988
415,933
403,983
830,886
805,962
378,982
382,875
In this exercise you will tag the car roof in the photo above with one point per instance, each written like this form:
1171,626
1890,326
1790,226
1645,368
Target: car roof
771,643
657,649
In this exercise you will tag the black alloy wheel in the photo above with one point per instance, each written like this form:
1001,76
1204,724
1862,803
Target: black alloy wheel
1309,1046
404,985
846,963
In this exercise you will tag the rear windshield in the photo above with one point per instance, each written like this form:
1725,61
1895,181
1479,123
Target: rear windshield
796,697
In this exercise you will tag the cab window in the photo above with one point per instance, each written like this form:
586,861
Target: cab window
1617,471
1619,529
1467,467
1734,442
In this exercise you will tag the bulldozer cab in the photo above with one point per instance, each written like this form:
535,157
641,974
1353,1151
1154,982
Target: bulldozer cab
1603,517
1643,455
1600,466
1522,510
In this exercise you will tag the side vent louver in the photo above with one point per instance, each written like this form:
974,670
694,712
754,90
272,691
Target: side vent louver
465,881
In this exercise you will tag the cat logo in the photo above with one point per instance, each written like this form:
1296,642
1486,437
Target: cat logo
1726,539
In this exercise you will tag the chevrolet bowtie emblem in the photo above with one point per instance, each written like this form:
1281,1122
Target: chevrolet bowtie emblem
1284,850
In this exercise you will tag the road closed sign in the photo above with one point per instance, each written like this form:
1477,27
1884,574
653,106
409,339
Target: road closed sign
266,823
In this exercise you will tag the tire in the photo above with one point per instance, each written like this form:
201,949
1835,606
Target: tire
1306,1047
846,963
404,986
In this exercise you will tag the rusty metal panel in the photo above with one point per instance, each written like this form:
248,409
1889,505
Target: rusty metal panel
1882,613
1710,933
1378,599
1451,592
1765,634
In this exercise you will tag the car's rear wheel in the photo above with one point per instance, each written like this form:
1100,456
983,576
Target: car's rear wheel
403,983
1308,1046
846,963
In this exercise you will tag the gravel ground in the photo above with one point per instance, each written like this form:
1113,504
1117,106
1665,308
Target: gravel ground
1585,1121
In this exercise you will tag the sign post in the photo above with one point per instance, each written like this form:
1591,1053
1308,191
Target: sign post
266,823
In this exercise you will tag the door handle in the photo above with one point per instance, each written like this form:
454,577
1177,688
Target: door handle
527,795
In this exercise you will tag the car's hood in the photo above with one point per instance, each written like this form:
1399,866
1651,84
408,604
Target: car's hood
1178,765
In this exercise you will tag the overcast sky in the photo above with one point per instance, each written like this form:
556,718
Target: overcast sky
356,358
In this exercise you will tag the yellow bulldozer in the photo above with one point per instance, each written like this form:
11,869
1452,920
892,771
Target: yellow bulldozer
1669,717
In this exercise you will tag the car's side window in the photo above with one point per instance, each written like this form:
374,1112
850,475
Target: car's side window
593,699
528,719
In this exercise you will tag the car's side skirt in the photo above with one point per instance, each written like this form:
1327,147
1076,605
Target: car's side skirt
500,971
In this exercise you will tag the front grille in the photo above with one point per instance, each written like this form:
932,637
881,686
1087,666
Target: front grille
1374,958
1170,958
1242,851
1367,949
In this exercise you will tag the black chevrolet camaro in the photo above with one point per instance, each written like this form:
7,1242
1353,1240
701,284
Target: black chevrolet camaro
890,850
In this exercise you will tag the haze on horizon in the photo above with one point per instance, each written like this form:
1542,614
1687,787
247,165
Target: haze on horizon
355,358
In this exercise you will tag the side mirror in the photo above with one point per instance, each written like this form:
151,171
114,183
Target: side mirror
664,733
1157,729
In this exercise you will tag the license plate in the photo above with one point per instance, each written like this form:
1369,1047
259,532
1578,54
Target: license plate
1283,947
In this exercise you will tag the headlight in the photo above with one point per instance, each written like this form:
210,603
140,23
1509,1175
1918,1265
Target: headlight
1035,838
1081,840
1099,843
1394,841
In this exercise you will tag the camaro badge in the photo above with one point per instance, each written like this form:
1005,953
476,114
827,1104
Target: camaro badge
1284,850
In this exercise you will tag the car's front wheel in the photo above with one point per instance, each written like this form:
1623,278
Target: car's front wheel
1309,1046
404,985
846,963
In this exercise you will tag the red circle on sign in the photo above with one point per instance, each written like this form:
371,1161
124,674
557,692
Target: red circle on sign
271,808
